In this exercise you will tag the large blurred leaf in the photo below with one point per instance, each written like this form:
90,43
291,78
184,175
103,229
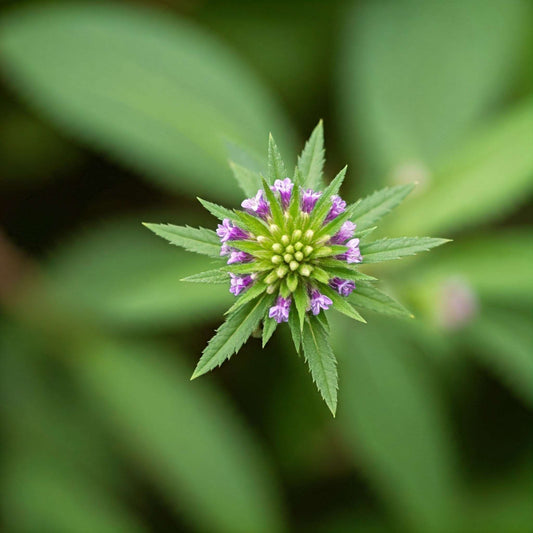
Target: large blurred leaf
182,434
489,175
124,276
416,75
392,418
497,266
154,91
42,494
504,342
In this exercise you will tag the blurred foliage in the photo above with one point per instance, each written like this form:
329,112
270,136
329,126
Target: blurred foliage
102,429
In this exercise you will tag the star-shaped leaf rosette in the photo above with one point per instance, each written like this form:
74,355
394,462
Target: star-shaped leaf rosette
293,253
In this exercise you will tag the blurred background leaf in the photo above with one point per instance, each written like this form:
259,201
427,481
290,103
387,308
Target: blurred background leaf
157,93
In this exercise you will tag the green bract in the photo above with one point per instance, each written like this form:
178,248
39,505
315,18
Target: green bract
291,254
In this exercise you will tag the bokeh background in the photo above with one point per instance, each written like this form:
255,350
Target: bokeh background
114,113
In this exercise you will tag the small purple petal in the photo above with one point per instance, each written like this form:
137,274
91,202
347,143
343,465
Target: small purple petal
353,254
318,301
239,284
309,199
225,249
346,232
280,311
284,188
237,256
228,232
344,287
338,206
257,205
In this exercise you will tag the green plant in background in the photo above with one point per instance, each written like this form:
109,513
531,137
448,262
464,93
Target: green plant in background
94,385
293,253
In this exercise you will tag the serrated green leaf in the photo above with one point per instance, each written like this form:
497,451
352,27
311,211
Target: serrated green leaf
368,297
324,322
275,207
321,361
199,240
323,204
244,268
209,276
248,246
389,249
301,301
152,89
311,160
341,304
294,205
248,180
231,335
334,225
269,326
296,332
218,211
374,207
251,293
276,166
251,223
344,270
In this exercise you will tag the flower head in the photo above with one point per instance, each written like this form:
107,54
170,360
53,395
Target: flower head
295,243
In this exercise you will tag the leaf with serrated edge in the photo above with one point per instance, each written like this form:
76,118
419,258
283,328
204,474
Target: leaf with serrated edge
311,160
323,204
217,210
199,240
275,207
378,204
276,166
231,335
321,361
368,297
209,276
251,293
248,180
389,249
301,301
269,326
340,304
296,333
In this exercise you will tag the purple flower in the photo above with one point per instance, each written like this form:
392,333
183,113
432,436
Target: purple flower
280,311
338,206
236,256
284,188
318,301
225,249
309,199
228,232
353,254
344,287
257,205
346,232
239,284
